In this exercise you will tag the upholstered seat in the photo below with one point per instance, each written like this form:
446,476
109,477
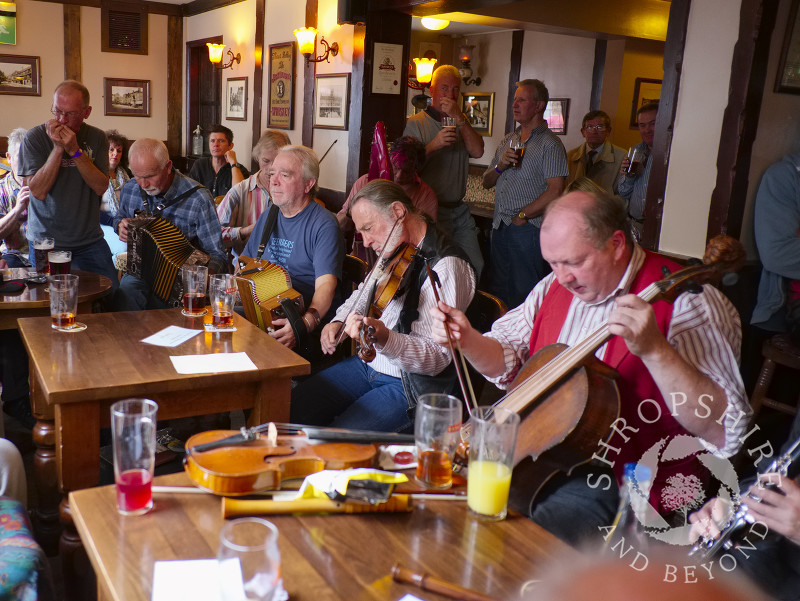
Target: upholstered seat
24,571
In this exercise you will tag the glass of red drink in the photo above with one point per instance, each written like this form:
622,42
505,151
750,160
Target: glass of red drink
63,292
437,429
222,290
133,431
194,279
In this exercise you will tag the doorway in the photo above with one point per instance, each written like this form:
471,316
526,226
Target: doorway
203,92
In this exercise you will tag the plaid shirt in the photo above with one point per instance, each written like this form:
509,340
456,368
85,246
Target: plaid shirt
195,216
14,242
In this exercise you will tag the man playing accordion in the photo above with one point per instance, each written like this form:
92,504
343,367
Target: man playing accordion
159,190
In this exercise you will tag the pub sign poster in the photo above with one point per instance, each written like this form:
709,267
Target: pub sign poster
281,86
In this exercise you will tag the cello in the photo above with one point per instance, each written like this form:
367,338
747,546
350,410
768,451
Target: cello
560,429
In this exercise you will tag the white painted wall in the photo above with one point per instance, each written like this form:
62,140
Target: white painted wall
333,170
237,26
702,100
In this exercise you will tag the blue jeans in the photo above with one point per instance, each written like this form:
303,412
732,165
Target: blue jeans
136,295
516,262
460,226
95,258
15,260
352,395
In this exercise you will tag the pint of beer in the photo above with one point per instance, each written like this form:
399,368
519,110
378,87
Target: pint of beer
519,147
41,247
635,156
60,261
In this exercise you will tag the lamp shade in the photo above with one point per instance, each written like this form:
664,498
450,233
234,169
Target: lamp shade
424,69
434,24
305,39
215,52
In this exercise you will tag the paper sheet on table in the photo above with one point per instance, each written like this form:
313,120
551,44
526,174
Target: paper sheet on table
196,579
171,336
212,364
408,597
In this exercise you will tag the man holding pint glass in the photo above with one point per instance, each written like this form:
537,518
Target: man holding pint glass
529,170
635,170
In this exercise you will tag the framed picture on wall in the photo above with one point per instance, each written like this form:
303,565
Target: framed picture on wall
788,79
331,101
126,97
20,75
236,98
645,91
478,107
557,115
281,86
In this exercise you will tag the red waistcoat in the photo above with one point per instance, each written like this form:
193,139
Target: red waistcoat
634,382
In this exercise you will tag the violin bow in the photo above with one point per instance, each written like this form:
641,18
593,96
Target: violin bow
372,276
458,359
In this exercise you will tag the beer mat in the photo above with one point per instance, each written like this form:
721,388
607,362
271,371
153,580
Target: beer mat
212,328
78,327
171,336
213,363
386,459
196,579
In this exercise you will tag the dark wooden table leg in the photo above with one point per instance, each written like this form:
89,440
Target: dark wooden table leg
46,522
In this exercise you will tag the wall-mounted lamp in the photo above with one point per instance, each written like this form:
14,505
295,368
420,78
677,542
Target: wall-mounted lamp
465,56
215,56
305,39
433,23
424,67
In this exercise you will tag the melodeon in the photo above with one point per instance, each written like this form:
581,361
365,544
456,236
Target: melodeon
157,250
262,286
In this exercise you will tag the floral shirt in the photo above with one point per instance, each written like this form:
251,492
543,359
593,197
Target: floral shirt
15,242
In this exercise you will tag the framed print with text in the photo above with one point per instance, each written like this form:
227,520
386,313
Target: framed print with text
331,101
280,113
236,98
387,69
126,97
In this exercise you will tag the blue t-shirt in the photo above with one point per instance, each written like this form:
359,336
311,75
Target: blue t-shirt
307,245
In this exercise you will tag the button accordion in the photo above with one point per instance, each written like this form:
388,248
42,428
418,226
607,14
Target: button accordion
157,249
262,286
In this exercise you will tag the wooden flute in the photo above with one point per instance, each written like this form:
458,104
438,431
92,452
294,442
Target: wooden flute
437,585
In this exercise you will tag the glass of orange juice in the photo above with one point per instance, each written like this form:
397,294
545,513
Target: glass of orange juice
493,437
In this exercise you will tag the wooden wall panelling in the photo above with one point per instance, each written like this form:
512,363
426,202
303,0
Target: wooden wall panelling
174,60
72,42
258,75
514,70
308,82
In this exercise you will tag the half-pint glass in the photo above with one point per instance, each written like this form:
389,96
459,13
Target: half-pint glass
437,428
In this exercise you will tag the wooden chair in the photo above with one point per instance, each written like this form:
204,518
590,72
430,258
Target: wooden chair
777,350
482,312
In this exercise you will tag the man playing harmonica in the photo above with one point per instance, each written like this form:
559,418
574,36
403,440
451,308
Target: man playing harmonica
379,395
677,364
184,203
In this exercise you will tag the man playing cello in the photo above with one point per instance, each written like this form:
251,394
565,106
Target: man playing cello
660,351
378,395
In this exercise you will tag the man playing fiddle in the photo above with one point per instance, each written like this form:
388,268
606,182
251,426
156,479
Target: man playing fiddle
379,395
659,351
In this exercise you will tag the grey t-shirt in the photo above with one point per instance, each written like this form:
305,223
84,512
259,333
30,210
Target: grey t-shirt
446,169
71,211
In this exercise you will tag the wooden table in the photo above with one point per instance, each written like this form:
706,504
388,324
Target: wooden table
333,557
35,300
75,377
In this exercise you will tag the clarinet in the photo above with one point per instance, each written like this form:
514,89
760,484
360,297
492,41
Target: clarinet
706,548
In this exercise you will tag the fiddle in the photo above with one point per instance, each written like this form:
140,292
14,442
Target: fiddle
394,279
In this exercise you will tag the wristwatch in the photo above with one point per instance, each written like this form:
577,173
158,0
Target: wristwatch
522,215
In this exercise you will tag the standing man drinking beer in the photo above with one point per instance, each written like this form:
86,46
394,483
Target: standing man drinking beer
527,180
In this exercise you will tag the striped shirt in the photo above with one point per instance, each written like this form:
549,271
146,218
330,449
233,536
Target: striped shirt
634,189
705,330
417,352
242,206
544,158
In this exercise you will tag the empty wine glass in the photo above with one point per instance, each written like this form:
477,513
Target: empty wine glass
249,560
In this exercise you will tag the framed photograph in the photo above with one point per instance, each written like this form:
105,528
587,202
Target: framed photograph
20,75
645,91
126,97
236,98
281,86
478,107
331,100
557,114
788,79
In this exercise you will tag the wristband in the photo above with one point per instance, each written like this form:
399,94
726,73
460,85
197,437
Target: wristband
315,313
499,172
78,153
